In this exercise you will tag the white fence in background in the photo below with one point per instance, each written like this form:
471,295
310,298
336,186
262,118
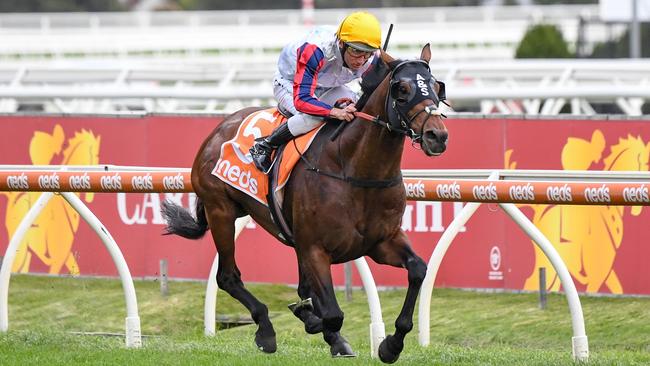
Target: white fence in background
485,32
48,22
226,84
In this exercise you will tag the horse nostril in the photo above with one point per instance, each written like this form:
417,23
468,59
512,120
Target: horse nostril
436,135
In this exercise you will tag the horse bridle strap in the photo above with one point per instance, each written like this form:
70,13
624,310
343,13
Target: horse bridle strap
360,183
406,132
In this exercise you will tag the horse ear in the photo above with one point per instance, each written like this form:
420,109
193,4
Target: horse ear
386,57
426,53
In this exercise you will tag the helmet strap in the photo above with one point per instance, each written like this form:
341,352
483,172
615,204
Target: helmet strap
343,50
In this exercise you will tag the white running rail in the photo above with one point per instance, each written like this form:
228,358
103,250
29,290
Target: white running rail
579,340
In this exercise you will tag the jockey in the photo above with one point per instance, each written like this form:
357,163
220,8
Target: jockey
311,78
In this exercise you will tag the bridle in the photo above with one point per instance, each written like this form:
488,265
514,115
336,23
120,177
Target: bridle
397,107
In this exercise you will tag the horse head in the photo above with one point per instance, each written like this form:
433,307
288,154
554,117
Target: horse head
412,96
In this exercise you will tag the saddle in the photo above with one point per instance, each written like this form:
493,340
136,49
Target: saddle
236,168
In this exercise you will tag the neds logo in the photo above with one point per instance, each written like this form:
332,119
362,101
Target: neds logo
111,182
600,194
234,174
448,191
414,190
79,181
561,194
522,193
173,182
18,181
142,183
50,181
485,193
639,194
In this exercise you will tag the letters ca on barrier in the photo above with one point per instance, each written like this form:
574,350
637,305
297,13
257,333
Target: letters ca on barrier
135,222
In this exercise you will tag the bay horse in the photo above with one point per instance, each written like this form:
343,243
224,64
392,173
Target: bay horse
345,199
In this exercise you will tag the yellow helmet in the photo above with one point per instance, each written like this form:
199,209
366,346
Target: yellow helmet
360,30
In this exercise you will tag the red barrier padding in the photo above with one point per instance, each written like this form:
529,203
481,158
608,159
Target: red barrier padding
560,192
79,181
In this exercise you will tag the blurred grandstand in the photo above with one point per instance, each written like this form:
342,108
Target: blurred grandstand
220,61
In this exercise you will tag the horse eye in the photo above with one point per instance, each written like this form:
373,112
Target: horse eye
403,89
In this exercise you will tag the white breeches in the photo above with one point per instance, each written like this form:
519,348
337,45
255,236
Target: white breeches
301,123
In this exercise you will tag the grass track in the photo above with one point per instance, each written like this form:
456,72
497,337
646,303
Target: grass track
467,328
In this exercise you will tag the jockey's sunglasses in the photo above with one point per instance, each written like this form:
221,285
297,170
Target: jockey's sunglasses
358,53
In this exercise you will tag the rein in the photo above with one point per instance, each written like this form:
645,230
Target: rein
416,137
402,128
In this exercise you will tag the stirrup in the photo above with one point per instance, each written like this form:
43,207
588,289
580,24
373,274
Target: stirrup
261,156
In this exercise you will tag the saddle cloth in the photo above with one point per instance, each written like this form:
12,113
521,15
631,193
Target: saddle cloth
235,166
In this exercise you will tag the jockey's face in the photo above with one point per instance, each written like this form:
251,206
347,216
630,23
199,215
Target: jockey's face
355,58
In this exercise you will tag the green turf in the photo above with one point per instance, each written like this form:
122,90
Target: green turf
467,328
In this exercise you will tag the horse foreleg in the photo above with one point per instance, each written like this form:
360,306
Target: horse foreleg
222,224
304,310
315,266
398,253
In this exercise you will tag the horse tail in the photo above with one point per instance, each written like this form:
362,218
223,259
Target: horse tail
181,222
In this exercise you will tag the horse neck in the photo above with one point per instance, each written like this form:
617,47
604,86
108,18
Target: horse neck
371,151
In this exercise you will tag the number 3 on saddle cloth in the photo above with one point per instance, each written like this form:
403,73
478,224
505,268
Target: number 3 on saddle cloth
236,168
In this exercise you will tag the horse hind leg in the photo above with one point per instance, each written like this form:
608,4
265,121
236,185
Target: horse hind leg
222,224
398,253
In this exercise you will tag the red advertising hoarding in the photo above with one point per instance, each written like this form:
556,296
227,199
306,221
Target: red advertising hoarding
602,246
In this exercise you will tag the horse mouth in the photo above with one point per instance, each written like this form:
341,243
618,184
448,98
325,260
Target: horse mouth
434,142
434,150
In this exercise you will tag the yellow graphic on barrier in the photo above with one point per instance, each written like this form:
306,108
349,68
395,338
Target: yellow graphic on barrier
586,237
51,236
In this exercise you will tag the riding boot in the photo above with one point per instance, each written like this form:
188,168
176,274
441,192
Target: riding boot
264,147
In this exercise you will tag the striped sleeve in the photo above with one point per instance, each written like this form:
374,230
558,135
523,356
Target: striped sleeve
309,63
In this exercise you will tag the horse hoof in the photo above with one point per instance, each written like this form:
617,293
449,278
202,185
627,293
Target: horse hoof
342,349
266,344
389,349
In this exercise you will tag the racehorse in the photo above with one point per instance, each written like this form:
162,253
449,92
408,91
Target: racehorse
344,200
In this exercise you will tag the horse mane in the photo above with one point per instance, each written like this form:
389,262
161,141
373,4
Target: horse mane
372,78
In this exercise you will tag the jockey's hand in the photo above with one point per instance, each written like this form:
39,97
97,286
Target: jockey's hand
344,114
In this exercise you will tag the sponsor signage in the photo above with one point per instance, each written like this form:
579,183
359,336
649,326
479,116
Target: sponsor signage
47,181
602,241
575,193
